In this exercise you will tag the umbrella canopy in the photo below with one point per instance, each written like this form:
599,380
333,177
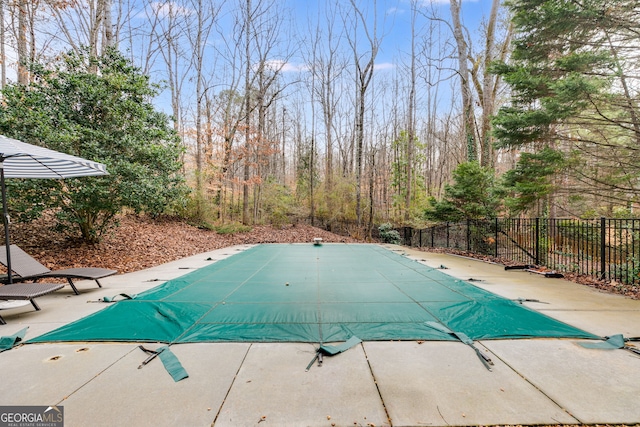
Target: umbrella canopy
21,160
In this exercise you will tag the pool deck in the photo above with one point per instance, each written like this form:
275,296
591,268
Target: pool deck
399,383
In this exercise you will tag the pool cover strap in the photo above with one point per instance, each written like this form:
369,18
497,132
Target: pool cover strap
7,343
486,360
113,299
332,350
169,360
613,342
522,300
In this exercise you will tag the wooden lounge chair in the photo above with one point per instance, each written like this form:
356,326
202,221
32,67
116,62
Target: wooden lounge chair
28,268
27,291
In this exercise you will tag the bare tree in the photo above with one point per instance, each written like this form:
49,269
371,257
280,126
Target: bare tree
411,108
364,67
312,160
83,24
248,24
489,87
167,25
108,36
465,82
263,33
23,56
432,71
487,84
204,16
3,52
328,67
230,107
268,72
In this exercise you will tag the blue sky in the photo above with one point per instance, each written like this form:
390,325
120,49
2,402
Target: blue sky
394,22
395,15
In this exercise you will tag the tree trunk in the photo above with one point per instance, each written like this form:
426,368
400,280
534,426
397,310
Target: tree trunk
107,32
411,131
372,172
629,102
282,154
360,110
488,92
97,18
23,57
247,134
465,83
3,53
363,78
198,62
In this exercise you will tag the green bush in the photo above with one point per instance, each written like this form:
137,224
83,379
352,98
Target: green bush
472,195
231,228
97,108
279,205
389,235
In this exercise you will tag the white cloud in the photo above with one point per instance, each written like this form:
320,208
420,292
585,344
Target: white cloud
384,66
284,67
169,8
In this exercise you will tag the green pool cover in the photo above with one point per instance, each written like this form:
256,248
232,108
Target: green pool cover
307,293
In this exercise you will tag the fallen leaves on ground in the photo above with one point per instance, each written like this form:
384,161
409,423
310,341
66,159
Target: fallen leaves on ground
141,242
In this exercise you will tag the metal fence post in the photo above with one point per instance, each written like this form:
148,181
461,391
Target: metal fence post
447,234
468,235
496,238
603,248
537,241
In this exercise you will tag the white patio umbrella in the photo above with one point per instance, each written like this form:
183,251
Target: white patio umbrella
21,160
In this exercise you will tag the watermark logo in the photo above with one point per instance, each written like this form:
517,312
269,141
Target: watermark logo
31,416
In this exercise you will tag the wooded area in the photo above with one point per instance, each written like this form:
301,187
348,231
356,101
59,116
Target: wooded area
535,110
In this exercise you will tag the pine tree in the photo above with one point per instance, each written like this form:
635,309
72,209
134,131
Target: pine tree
573,93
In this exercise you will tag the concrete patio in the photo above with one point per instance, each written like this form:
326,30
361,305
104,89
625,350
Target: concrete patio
399,383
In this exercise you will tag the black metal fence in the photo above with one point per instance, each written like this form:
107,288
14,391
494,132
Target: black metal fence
605,248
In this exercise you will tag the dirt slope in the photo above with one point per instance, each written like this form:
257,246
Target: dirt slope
140,242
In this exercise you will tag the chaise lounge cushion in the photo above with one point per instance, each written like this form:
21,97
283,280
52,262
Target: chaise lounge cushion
27,268
27,291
